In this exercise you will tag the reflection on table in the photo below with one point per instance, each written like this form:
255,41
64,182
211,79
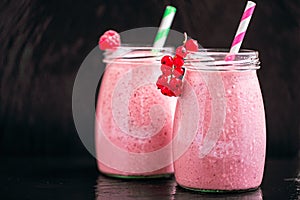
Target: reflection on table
128,189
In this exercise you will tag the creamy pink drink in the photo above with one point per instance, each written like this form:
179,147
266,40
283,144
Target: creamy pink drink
134,120
228,132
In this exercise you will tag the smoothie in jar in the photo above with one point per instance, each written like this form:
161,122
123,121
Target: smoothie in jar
228,128
134,120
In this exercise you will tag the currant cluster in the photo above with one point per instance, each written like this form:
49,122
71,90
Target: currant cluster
170,82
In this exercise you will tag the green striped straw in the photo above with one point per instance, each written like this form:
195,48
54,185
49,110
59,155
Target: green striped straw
164,27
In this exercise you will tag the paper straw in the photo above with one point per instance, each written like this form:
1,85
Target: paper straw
164,27
241,31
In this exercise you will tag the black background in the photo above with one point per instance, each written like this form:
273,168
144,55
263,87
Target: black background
43,43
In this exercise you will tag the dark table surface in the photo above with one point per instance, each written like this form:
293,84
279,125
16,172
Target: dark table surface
74,178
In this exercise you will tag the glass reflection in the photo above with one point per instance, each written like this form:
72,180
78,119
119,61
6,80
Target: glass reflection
253,195
129,189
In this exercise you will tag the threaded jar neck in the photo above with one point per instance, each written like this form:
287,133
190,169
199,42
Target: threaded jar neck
217,60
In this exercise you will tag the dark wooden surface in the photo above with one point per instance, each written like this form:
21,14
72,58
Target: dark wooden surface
68,178
42,44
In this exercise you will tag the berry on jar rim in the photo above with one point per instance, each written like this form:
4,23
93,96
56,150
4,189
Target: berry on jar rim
172,69
181,51
109,40
191,45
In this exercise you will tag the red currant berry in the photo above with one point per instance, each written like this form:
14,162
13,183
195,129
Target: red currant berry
166,91
109,40
177,92
191,45
178,72
175,83
178,61
167,60
166,70
181,51
171,94
162,81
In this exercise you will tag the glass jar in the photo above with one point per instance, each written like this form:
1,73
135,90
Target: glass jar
134,120
221,112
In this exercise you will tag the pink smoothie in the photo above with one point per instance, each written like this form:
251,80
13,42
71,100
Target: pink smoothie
229,135
133,121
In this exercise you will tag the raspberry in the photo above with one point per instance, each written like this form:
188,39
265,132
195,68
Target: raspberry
109,40
166,70
191,45
167,60
178,61
162,81
181,51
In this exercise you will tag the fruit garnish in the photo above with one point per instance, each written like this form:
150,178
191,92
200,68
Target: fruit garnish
175,83
181,51
178,72
177,92
162,81
170,82
167,60
178,61
109,40
191,45
166,70
167,91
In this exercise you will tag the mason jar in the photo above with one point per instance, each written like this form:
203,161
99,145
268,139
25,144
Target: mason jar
219,123
134,121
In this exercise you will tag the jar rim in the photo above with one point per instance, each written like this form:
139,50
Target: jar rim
225,51
135,53
216,59
210,59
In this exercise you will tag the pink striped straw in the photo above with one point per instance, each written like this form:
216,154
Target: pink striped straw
241,31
